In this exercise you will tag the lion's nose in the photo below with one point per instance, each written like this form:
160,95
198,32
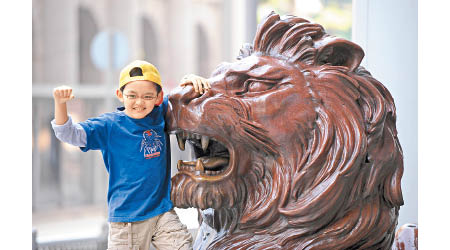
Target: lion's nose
179,99
182,95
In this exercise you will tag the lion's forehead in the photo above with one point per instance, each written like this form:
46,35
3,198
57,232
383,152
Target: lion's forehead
258,66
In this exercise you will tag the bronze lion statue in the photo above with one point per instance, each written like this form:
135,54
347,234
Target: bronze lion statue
295,146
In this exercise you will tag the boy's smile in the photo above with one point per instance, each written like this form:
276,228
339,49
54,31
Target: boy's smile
139,98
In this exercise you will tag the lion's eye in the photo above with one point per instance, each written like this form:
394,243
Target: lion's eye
259,86
254,86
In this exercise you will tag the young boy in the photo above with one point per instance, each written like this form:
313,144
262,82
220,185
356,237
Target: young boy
136,153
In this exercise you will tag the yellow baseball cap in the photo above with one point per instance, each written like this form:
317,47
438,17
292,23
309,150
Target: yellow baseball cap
149,73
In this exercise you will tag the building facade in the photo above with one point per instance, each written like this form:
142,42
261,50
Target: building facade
84,44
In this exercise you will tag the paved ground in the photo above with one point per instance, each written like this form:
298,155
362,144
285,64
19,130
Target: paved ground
86,222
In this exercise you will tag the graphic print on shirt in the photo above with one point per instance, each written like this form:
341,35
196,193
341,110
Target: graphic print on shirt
151,144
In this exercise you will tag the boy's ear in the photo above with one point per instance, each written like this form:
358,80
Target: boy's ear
160,98
119,95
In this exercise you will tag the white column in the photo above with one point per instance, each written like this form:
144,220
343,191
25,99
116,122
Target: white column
239,11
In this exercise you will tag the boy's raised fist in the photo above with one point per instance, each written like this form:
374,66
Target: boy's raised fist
62,94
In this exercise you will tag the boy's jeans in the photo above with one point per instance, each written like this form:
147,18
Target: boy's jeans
164,231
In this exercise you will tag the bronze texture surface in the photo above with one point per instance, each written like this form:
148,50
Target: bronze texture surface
295,146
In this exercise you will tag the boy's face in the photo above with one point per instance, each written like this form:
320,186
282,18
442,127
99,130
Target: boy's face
139,98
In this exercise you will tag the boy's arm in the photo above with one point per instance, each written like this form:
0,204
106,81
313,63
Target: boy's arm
62,124
73,134
61,95
200,84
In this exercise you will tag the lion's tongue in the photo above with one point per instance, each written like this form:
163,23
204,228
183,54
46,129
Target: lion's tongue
209,162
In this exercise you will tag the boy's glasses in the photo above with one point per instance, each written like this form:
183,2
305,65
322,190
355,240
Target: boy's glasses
145,97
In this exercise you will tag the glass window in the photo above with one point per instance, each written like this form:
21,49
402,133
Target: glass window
149,42
202,52
88,73
63,175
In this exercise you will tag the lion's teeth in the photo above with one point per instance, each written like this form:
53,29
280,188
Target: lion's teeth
205,142
181,141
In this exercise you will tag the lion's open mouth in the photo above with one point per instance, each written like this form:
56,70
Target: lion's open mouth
211,156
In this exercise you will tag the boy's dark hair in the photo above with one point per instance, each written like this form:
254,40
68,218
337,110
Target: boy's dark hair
136,71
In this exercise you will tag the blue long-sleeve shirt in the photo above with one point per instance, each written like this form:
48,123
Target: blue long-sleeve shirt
136,153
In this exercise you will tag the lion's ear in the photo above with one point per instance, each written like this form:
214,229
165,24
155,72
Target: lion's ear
246,50
338,52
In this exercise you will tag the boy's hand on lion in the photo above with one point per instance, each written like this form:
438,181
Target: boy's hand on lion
200,84
62,94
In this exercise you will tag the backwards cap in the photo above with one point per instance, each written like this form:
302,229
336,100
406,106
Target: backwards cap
145,71
149,73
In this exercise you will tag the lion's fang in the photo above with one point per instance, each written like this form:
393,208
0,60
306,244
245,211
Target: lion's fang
205,142
181,141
